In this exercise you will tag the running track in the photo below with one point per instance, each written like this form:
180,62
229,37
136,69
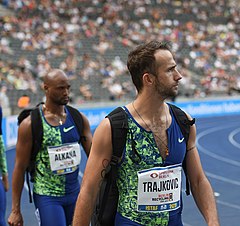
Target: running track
218,142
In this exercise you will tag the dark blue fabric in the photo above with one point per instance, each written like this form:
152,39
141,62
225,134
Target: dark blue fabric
2,204
57,211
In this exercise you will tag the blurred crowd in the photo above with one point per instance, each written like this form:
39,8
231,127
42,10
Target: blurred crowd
90,40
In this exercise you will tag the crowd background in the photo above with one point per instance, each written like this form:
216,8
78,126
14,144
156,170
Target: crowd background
90,41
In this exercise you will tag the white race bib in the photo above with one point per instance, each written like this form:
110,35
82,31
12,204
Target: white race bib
65,158
159,189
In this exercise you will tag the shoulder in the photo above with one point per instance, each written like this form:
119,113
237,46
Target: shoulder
118,115
102,138
25,128
179,111
75,113
84,117
26,123
189,116
105,123
103,128
79,118
71,108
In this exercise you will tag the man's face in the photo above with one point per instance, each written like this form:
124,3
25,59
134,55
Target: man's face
58,92
167,77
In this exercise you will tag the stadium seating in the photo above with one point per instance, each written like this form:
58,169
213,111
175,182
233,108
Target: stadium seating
99,34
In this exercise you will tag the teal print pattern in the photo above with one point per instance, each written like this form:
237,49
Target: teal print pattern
47,183
3,162
127,181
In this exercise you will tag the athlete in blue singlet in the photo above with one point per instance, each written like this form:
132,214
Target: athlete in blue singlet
149,174
56,206
128,213
56,183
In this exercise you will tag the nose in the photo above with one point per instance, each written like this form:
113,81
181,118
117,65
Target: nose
178,76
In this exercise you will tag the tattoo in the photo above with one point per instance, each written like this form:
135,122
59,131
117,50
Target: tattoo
191,148
105,164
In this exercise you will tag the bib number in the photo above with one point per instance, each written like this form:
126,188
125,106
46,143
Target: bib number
159,189
65,158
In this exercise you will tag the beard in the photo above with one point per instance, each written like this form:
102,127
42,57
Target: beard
165,92
62,101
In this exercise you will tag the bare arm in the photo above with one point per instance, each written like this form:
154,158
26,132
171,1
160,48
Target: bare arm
99,158
86,141
23,154
200,186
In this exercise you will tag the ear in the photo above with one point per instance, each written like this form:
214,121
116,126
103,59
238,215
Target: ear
148,79
45,87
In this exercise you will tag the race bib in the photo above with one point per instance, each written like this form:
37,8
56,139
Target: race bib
159,189
65,158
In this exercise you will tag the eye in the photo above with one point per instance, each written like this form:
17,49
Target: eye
172,69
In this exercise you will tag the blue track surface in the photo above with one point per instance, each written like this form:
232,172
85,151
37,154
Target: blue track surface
218,142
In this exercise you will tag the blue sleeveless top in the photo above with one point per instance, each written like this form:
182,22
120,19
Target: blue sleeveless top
147,156
45,181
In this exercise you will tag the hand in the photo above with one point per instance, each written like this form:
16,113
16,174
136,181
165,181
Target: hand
5,182
15,219
214,222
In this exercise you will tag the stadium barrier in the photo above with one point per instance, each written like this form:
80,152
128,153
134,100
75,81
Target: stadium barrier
95,114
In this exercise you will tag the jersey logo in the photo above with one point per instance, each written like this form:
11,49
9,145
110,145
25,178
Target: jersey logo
180,140
65,130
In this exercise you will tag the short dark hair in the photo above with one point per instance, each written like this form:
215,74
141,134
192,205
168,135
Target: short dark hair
142,60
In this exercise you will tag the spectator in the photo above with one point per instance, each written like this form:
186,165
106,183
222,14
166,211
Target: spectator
24,101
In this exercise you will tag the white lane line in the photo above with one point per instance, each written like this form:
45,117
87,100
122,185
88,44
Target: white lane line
231,138
185,224
224,179
211,154
228,204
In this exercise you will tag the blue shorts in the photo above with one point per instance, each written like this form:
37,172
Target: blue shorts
57,211
2,204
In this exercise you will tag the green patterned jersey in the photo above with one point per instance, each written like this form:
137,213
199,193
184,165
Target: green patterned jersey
127,181
46,182
143,158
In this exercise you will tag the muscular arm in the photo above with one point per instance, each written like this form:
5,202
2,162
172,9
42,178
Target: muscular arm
200,186
99,158
23,154
86,141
